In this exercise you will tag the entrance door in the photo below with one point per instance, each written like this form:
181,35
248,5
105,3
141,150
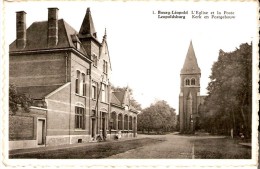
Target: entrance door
40,131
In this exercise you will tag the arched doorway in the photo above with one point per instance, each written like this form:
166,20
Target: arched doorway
120,121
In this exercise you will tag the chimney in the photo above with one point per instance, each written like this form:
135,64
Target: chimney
20,29
52,26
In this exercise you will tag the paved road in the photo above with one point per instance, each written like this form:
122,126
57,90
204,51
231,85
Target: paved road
174,147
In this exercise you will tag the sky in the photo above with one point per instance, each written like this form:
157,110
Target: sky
147,52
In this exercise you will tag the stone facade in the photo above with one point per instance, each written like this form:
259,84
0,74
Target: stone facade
68,74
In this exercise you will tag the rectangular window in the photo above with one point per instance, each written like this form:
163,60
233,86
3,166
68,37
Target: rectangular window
94,90
79,118
103,93
104,66
84,86
95,60
77,82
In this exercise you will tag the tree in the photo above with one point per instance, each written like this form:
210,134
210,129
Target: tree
230,91
16,99
133,102
158,117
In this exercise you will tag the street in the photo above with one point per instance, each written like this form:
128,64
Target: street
174,146
170,146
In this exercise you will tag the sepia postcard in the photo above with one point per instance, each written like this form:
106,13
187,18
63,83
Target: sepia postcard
129,84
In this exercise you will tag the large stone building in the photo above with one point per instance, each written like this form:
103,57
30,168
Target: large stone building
190,99
67,74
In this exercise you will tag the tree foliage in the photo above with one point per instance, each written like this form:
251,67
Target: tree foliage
158,117
229,100
16,99
133,102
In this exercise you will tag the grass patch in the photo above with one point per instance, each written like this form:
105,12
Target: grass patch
90,151
220,148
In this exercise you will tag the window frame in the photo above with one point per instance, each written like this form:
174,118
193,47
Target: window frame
105,67
84,85
103,92
77,82
94,90
95,60
79,118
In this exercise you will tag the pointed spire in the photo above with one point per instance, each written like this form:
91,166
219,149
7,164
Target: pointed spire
190,65
87,28
105,35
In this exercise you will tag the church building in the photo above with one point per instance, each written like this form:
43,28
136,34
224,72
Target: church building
67,74
190,98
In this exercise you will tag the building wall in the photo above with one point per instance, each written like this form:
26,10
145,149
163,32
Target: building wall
101,108
58,121
37,69
183,104
62,104
78,100
23,128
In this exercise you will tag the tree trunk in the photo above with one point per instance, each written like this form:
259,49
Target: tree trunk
243,114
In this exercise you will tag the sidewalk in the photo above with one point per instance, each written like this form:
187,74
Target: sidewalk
65,146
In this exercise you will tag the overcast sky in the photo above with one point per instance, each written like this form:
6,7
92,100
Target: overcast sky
147,53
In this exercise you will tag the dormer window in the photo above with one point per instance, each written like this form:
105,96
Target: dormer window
76,41
77,45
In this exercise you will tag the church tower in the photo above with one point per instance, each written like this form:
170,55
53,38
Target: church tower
189,98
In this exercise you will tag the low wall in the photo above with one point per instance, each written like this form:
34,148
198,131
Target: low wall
23,128
22,144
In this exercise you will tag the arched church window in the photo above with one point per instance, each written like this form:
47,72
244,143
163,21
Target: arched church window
192,81
187,82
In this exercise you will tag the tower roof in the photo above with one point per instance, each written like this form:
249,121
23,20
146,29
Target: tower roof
87,28
190,65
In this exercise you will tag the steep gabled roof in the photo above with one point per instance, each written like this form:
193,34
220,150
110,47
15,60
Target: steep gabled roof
190,65
120,98
104,48
37,37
